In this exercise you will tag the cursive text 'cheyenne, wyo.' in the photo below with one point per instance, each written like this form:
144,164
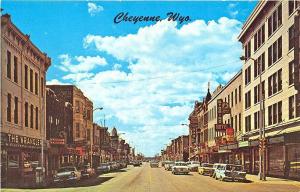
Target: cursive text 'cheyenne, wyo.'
125,17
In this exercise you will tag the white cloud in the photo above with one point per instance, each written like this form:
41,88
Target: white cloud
93,8
169,68
117,66
83,64
55,82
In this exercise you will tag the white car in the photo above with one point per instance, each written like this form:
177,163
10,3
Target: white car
193,166
180,168
230,172
168,165
67,174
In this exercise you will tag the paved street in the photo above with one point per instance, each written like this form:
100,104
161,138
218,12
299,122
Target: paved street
144,178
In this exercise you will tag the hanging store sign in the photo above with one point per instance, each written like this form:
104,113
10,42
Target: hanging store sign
19,141
222,109
57,141
230,134
221,127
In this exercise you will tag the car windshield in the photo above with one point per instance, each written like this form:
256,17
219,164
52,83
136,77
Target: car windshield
207,165
234,168
103,164
66,169
181,164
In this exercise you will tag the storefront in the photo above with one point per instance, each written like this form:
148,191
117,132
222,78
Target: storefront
20,156
292,166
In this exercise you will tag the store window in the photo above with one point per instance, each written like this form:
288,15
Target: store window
276,160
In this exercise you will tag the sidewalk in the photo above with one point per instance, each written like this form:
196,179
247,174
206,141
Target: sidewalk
272,180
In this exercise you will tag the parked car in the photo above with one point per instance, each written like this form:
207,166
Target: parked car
103,168
230,172
193,166
180,167
113,166
206,169
136,164
87,171
67,174
153,164
215,166
168,165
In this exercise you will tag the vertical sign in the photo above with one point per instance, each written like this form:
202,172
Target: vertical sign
219,111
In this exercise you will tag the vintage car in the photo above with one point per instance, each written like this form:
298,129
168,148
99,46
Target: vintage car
193,166
180,167
153,164
87,171
215,166
103,168
67,174
168,165
230,172
136,164
206,169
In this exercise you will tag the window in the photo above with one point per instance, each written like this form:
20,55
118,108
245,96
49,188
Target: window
292,107
16,118
259,62
275,51
291,73
26,114
248,75
31,116
259,38
291,37
15,69
247,99
293,4
228,97
275,82
235,93
88,134
77,107
8,64
36,83
31,80
240,122
235,123
26,76
240,93
42,86
8,110
275,20
275,113
77,130
256,120
36,118
231,99
248,123
248,50
257,93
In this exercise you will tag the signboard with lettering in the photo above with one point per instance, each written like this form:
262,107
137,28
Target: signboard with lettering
57,141
219,111
13,140
230,134
221,127
225,108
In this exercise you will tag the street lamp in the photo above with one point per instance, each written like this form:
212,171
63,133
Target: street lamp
261,120
184,124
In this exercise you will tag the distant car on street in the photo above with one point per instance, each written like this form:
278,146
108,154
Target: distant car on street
168,165
153,164
193,166
67,174
230,172
136,164
215,166
206,169
103,168
180,167
87,171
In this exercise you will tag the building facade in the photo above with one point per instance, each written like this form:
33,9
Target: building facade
23,101
269,43
80,135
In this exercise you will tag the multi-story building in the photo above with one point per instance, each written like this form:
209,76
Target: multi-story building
58,124
271,47
225,127
105,145
80,135
23,73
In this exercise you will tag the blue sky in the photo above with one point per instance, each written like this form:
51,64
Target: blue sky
146,75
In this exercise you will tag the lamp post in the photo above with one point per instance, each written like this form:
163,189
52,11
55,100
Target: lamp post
261,120
92,139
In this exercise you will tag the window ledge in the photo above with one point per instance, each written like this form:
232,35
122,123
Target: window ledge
278,92
278,60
